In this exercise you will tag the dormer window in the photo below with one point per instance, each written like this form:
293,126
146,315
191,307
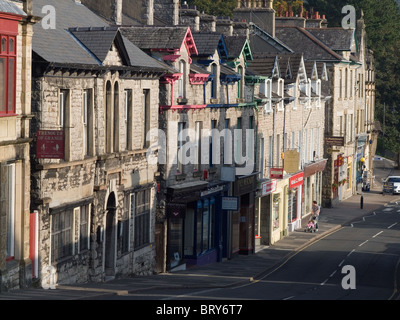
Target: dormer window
7,75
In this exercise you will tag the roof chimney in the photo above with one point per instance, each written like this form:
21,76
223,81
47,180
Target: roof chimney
28,7
118,12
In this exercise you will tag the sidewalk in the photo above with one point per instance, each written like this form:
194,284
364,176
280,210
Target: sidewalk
238,270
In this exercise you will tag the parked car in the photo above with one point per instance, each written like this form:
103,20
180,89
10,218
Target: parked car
388,182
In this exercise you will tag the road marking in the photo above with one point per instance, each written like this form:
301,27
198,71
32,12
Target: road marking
340,264
392,225
388,209
323,283
331,275
377,234
363,243
351,252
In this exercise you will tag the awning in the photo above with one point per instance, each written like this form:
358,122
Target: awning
318,166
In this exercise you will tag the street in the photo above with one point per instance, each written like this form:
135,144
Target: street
354,256
370,246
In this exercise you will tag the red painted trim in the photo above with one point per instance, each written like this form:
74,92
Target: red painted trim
171,57
198,78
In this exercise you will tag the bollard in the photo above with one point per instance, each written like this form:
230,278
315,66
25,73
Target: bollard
361,201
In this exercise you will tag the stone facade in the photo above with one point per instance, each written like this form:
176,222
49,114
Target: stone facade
89,179
15,265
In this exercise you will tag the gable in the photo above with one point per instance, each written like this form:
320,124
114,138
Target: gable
113,57
105,44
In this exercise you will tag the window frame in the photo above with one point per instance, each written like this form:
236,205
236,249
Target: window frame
7,55
142,218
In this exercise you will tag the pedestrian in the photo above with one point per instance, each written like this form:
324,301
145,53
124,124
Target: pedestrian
315,210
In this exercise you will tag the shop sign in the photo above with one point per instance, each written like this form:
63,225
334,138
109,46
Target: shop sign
230,203
268,187
296,180
291,164
276,173
50,144
334,141
211,190
245,184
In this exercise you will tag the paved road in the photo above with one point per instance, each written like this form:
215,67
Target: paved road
368,248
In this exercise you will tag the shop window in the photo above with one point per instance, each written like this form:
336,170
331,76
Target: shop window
275,211
205,225
7,76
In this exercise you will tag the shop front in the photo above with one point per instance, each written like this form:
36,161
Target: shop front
262,220
272,210
195,226
243,241
313,183
294,201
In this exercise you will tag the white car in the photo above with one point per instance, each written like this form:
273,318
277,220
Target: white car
396,183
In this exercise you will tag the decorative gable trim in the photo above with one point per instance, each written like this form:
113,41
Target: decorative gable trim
188,41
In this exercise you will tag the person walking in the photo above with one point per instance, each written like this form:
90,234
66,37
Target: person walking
315,210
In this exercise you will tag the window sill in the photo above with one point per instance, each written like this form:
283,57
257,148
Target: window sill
6,115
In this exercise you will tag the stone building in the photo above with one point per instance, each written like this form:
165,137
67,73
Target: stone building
15,116
95,97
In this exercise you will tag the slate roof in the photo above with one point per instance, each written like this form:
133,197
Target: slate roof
150,37
257,44
9,7
304,42
262,64
289,65
208,42
234,45
97,40
81,37
57,45
338,39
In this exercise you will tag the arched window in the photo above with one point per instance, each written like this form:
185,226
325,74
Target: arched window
116,118
109,127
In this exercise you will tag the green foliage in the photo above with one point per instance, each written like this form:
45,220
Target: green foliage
382,19
215,7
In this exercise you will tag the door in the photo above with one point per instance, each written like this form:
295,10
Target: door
110,236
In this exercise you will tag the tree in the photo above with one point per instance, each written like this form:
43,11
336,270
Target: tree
382,19
217,7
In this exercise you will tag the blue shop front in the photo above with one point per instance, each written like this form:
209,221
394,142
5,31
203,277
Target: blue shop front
195,221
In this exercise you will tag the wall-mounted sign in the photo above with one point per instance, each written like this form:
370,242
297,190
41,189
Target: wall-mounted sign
276,173
230,203
296,180
334,141
50,144
268,187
